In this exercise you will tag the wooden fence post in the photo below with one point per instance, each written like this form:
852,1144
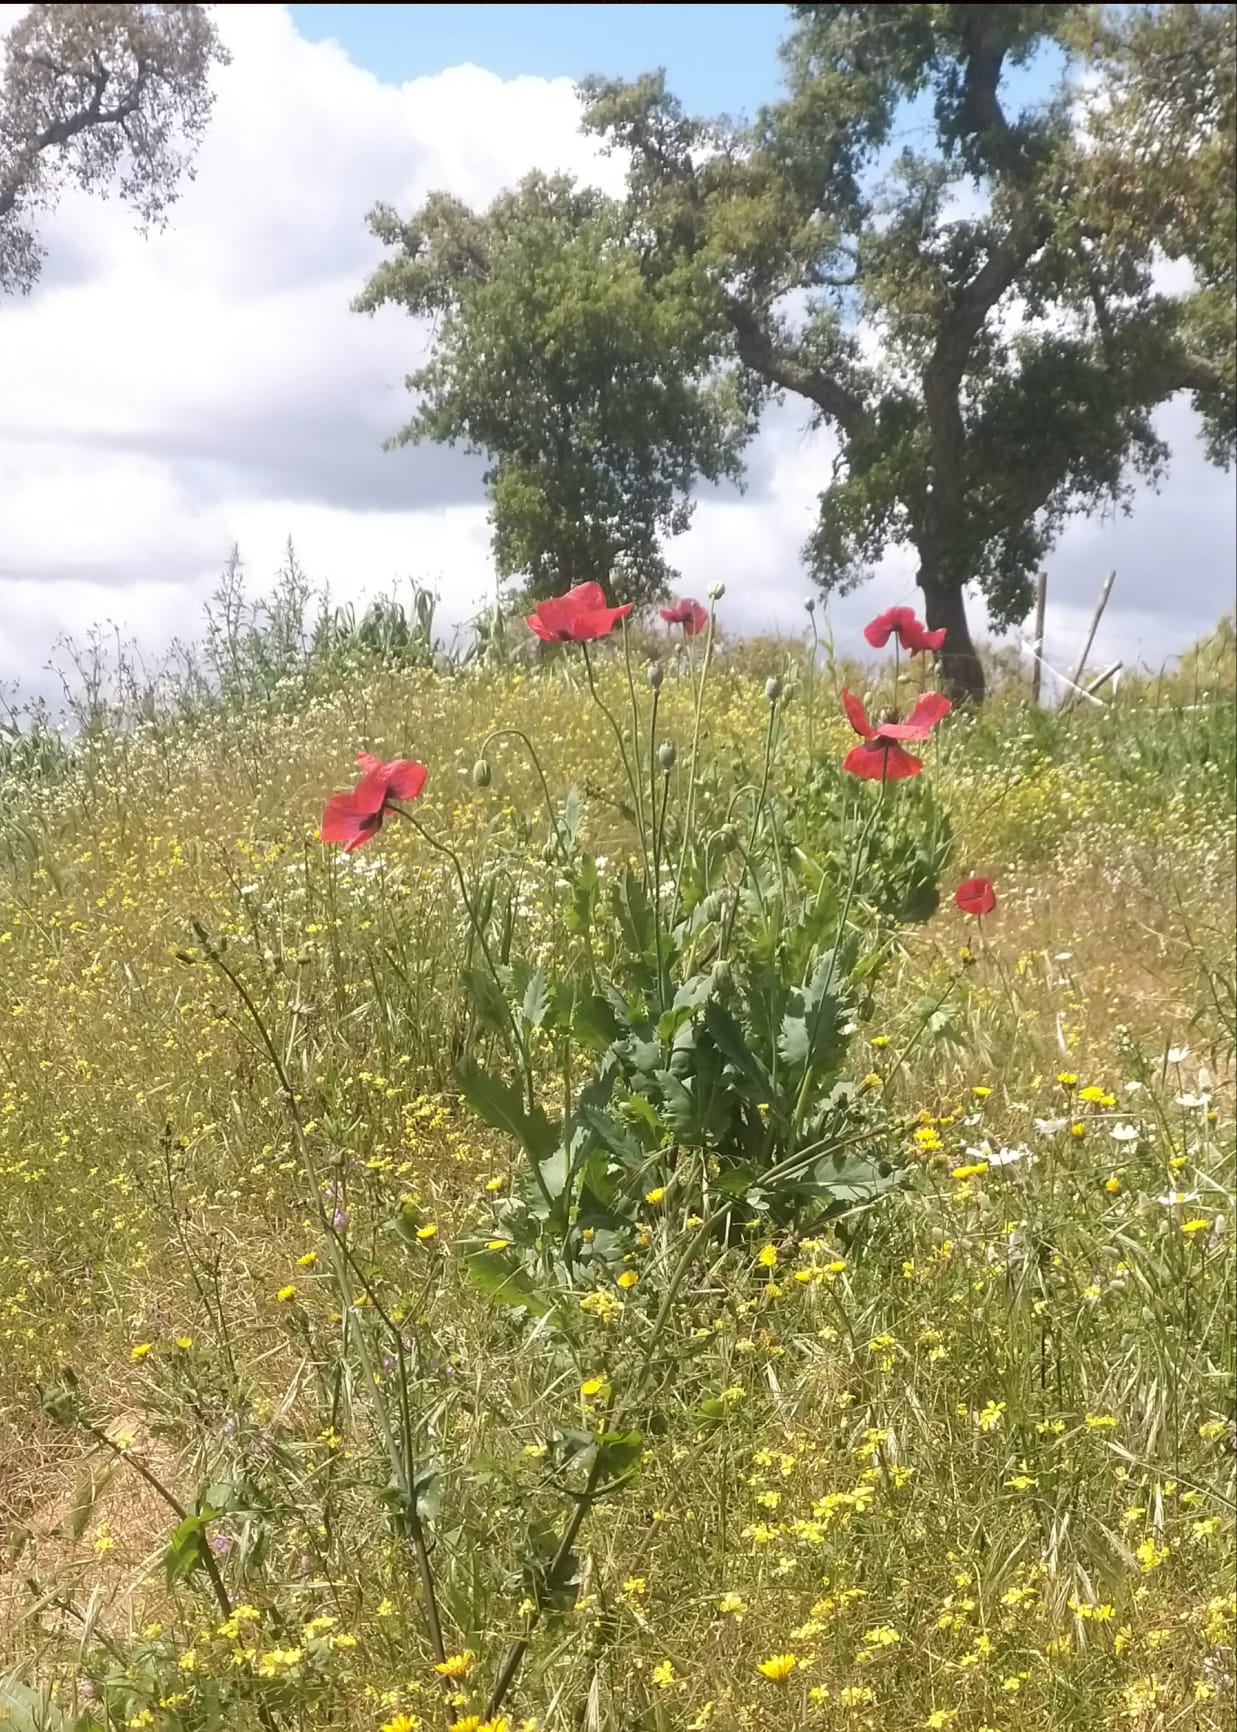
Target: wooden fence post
1037,666
1101,604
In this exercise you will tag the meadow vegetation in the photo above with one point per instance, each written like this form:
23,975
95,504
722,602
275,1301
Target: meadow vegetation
622,1248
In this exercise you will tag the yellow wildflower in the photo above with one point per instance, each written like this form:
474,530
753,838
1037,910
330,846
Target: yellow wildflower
455,1665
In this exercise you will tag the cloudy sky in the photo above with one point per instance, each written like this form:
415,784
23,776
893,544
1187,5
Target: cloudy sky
163,398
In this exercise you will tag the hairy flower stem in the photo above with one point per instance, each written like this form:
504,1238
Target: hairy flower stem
690,809
519,734
521,1044
401,1464
514,1658
633,781
811,690
657,840
635,725
857,859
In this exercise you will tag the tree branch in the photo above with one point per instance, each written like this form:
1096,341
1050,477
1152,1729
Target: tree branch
758,351
60,132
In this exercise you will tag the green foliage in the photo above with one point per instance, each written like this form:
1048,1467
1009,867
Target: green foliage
973,434
1162,169
700,1034
605,355
583,380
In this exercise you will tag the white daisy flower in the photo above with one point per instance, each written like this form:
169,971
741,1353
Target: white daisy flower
1009,1157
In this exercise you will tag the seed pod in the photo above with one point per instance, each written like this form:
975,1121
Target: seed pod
656,673
667,752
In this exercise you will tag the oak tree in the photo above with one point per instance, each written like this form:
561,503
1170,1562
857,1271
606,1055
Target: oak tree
948,238
98,96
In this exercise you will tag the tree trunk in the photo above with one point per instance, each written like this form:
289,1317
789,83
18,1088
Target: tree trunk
959,668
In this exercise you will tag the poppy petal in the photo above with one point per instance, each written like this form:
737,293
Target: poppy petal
341,819
370,792
929,708
975,896
876,762
369,826
405,779
857,716
586,598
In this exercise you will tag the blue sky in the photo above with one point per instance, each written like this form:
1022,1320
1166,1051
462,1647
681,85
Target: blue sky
720,59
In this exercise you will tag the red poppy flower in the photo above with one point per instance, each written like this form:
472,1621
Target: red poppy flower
354,817
976,896
881,757
911,633
577,617
687,613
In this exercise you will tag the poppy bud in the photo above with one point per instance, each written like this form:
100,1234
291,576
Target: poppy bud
727,836
667,752
721,972
809,604
773,688
656,674
481,774
716,591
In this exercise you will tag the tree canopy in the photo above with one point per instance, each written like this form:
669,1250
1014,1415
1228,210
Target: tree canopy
98,95
587,381
966,287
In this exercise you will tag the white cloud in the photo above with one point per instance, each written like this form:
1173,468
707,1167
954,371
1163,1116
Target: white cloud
165,396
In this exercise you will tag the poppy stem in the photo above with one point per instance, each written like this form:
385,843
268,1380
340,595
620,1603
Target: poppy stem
657,835
402,1467
857,859
632,783
811,689
635,725
449,853
689,813
519,734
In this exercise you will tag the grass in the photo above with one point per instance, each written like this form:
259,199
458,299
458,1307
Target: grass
960,1457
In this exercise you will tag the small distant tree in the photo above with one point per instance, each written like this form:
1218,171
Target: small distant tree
584,380
98,96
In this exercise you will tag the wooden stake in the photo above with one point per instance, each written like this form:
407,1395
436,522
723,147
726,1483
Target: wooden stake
1102,680
1037,666
1101,604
